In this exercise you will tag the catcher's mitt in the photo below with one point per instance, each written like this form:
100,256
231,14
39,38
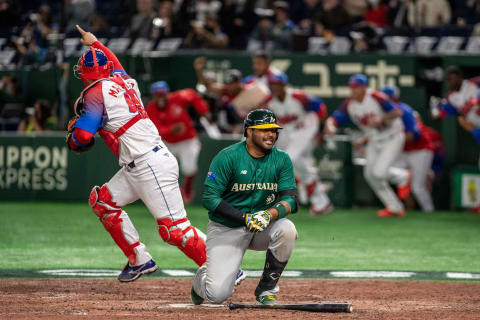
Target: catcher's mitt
70,129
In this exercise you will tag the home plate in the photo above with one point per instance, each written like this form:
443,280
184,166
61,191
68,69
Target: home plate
191,305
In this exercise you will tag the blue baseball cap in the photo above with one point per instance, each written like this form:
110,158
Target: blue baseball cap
278,78
390,91
358,80
159,87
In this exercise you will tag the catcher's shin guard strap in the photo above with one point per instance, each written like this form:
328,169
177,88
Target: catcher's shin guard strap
186,239
101,202
195,248
113,224
109,215
271,273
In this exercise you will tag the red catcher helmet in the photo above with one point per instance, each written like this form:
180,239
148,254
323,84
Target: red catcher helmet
93,65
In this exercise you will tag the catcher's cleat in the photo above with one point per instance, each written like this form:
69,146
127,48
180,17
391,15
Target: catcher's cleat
404,191
269,299
133,273
241,275
196,299
386,213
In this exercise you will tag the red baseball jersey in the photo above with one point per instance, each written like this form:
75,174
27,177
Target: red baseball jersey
176,112
425,141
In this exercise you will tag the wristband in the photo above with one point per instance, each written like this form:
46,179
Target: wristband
281,209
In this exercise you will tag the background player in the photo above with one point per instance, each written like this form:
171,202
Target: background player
111,104
168,111
249,184
300,114
261,69
461,91
469,119
380,120
417,153
225,93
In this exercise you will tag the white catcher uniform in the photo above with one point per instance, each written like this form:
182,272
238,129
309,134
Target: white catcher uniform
384,145
149,171
300,114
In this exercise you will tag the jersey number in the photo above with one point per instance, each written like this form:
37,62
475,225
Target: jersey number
134,104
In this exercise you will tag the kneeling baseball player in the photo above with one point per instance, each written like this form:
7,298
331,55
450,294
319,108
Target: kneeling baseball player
249,190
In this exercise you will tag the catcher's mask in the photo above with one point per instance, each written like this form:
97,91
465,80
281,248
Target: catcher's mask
260,119
93,65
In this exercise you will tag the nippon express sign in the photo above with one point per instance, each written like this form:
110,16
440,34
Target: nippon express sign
33,168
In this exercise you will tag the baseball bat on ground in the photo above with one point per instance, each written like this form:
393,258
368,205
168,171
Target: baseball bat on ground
311,307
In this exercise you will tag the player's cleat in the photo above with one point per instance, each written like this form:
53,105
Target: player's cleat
321,212
196,299
133,273
475,210
241,275
404,190
386,213
187,196
269,299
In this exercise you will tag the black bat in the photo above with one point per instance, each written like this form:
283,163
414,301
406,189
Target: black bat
311,307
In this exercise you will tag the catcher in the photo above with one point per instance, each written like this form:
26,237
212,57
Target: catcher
249,191
111,105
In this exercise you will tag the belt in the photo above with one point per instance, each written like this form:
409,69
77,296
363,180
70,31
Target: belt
131,165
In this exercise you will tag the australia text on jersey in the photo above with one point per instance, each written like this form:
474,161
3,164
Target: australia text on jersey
254,186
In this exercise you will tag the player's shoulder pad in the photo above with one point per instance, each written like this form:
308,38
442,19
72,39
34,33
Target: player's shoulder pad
301,96
379,96
80,102
248,79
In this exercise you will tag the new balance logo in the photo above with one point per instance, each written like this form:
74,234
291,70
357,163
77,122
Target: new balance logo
243,172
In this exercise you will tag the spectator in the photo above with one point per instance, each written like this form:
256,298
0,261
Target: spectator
429,13
197,10
333,15
9,15
237,19
206,8
366,37
9,91
206,35
165,24
77,12
282,27
376,13
397,14
466,12
141,22
261,36
305,12
356,8
33,43
39,119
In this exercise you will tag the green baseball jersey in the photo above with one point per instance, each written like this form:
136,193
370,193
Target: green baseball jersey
247,183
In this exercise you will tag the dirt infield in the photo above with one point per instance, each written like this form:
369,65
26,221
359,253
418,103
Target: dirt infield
164,299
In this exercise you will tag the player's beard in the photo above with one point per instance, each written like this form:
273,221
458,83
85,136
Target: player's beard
264,143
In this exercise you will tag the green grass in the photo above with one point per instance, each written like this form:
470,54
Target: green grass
63,235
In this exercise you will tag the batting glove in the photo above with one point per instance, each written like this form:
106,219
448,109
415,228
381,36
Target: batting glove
258,221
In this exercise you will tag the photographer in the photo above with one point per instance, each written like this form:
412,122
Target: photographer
33,43
208,35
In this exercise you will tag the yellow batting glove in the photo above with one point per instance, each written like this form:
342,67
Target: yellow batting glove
258,221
